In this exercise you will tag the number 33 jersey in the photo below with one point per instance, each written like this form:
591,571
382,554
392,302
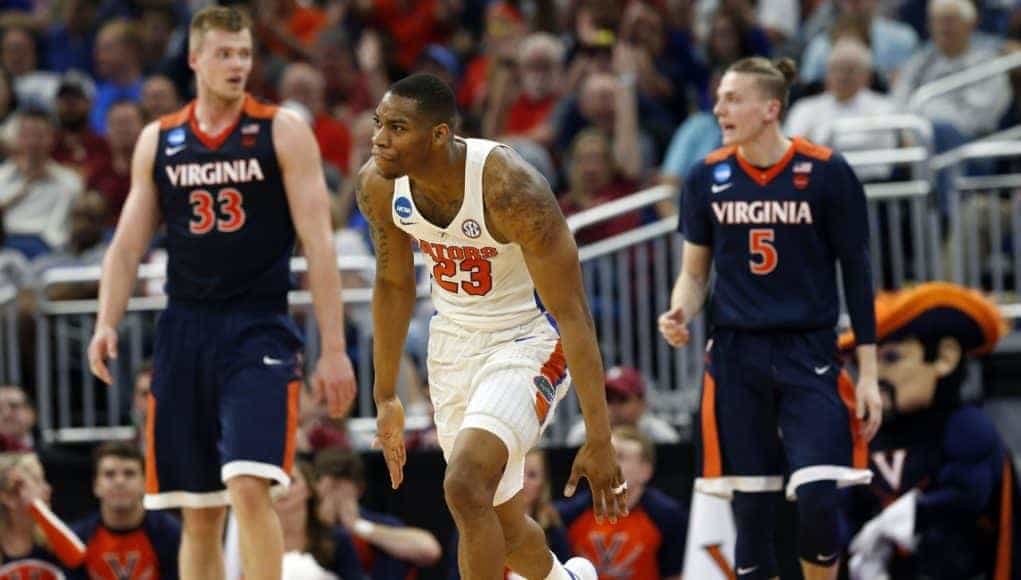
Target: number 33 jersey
229,229
477,282
776,235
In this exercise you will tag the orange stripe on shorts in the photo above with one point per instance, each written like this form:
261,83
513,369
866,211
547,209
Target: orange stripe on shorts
293,394
152,482
712,461
859,446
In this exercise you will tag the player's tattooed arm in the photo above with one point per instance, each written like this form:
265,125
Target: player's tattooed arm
394,291
520,208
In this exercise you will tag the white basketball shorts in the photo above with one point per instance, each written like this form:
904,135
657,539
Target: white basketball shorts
506,382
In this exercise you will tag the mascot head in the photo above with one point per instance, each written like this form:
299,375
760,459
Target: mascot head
924,335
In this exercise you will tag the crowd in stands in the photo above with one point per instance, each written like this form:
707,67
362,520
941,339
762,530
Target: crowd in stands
604,97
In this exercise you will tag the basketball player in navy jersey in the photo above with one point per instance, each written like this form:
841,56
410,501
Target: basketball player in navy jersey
234,181
507,288
775,216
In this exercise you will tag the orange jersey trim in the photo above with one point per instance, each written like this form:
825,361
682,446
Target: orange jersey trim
720,154
152,483
177,118
712,460
764,176
813,150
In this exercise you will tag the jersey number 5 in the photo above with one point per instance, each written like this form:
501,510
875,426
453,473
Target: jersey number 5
230,216
760,245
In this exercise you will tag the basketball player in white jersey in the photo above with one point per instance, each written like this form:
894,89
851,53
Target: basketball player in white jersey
507,288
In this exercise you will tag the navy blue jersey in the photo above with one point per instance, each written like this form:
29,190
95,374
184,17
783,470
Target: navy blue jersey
966,515
777,235
229,229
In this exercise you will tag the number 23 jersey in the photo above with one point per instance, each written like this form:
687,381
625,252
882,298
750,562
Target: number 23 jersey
477,282
229,229
776,235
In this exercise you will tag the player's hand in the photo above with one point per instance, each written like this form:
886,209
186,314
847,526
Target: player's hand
674,327
102,347
597,462
390,437
870,406
334,382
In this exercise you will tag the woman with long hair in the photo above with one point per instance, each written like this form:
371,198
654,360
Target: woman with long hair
33,542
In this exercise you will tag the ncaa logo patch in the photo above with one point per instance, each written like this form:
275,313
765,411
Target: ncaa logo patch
471,228
721,172
402,206
175,137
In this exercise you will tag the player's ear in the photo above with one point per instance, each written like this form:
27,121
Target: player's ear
441,133
773,109
948,356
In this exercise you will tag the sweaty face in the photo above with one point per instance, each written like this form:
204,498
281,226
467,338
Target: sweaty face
120,483
911,379
222,62
741,109
402,139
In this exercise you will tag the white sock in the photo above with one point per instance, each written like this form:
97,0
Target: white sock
557,572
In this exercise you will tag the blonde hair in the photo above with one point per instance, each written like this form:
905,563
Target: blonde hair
774,77
629,433
964,8
209,18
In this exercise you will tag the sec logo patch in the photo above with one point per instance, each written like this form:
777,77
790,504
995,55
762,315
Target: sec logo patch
471,228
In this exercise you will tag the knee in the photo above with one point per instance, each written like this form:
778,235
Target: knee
206,523
469,485
819,502
248,493
820,522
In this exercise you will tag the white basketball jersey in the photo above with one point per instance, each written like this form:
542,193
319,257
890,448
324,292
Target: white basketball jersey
477,281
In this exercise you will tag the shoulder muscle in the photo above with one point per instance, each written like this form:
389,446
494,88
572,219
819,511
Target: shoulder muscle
519,200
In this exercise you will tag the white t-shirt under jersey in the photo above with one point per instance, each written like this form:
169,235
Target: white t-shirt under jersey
477,282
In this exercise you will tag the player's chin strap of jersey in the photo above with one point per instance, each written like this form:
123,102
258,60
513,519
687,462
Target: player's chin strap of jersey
872,548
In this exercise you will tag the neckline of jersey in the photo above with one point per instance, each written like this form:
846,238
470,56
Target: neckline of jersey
764,176
213,142
464,197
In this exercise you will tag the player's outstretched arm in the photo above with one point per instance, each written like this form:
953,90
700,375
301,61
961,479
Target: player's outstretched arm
688,295
298,154
523,210
393,300
138,221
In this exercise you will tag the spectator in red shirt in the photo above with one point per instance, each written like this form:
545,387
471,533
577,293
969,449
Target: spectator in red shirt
124,122
77,144
593,180
289,29
504,30
304,84
413,25
351,87
521,106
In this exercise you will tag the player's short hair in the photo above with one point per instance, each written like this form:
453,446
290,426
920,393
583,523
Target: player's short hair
774,77
120,450
434,97
226,18
341,464
629,433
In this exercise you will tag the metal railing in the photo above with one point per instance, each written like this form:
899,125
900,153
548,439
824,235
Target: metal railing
965,78
10,356
74,406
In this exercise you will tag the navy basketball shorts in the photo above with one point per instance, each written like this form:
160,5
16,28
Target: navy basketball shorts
225,391
776,405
